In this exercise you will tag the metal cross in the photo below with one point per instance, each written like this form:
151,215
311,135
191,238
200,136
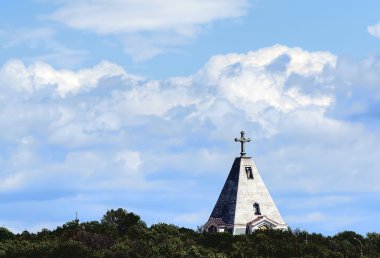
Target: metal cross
242,141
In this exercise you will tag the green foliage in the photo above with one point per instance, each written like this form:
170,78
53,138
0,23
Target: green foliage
121,220
5,234
372,244
122,234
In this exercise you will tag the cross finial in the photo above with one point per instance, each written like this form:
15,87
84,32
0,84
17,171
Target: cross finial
242,141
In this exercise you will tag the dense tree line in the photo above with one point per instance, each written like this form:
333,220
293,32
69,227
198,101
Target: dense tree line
124,234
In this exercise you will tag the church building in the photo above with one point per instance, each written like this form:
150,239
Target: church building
244,204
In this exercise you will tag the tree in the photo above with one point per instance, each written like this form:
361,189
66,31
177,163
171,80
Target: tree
72,249
5,234
122,234
373,244
121,220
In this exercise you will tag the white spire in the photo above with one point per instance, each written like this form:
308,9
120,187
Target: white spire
244,203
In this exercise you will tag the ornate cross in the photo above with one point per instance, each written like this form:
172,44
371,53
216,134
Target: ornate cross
242,141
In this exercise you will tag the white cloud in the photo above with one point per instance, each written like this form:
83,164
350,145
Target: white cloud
374,30
249,84
100,129
40,75
120,16
147,26
79,171
11,182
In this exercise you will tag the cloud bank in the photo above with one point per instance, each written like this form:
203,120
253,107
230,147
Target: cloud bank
100,137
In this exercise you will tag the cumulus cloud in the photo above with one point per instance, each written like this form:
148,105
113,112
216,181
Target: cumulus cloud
374,30
41,75
147,26
100,129
250,85
357,90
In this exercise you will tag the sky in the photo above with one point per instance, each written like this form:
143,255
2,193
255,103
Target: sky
135,104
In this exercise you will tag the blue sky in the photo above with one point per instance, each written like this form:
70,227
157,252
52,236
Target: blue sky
135,104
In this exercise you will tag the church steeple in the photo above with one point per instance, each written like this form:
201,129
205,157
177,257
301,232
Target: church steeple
244,203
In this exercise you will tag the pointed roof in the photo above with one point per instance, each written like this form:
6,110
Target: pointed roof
226,204
244,198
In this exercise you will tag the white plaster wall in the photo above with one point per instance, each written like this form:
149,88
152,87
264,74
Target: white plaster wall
250,191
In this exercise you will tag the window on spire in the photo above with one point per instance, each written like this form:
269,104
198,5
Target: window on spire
256,207
248,171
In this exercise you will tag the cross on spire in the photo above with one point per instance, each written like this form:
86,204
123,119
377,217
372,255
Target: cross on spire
242,141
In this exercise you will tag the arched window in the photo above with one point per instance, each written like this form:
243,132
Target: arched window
212,229
264,227
256,208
